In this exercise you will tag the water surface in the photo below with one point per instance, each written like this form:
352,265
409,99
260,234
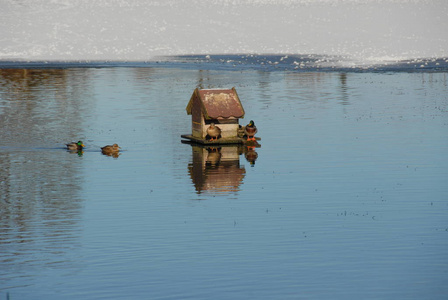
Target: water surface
346,198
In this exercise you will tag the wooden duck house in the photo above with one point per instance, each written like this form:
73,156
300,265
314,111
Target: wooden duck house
222,107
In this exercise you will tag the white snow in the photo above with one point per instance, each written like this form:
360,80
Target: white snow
140,30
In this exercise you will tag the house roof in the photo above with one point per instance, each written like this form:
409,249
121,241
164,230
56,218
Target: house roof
218,103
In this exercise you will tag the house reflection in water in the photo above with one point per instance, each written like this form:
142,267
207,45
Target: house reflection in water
217,170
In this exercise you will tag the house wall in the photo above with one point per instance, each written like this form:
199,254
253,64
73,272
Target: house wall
197,122
229,127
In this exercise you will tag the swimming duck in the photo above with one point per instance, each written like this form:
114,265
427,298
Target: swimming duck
213,131
250,130
110,149
75,146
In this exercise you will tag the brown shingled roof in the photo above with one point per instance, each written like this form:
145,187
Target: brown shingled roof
218,103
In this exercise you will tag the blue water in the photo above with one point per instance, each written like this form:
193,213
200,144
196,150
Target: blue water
347,197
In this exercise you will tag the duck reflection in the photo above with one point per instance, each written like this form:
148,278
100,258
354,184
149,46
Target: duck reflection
251,155
214,156
217,170
79,152
111,154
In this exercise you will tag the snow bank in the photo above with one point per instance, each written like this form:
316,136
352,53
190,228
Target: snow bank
142,30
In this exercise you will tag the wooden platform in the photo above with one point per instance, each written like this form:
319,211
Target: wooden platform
221,141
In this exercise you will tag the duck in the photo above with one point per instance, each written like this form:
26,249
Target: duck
75,146
110,149
250,130
213,131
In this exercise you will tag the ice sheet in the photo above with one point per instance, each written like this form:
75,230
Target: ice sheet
140,30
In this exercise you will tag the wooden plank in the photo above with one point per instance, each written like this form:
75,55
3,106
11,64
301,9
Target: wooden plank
235,140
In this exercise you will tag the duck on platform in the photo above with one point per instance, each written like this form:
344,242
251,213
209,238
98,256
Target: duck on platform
110,149
250,130
213,131
75,146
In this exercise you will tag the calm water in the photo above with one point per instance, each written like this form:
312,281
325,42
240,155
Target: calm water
347,197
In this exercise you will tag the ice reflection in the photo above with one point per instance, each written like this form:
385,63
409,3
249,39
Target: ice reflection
40,210
40,204
217,170
320,87
37,105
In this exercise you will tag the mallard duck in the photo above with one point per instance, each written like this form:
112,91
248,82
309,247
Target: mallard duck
250,130
75,146
110,149
213,131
